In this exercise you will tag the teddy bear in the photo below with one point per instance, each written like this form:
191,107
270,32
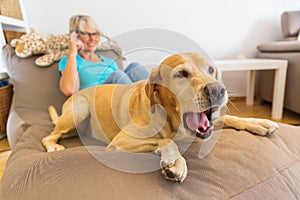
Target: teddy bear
51,47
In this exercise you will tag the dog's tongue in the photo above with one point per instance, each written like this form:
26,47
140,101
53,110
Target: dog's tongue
197,120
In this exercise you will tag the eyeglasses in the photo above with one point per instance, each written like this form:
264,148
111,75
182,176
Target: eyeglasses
87,34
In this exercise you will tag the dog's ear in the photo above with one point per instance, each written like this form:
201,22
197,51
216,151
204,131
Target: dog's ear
151,86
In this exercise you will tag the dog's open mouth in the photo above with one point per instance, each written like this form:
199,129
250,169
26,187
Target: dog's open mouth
198,123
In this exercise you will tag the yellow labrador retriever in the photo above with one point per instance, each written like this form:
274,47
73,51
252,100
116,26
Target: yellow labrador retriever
182,96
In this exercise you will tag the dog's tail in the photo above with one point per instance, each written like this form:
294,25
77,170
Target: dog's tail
53,114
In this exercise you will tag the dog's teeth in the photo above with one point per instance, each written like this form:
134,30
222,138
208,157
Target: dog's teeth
197,130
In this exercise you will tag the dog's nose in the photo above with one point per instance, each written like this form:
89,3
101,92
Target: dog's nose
215,92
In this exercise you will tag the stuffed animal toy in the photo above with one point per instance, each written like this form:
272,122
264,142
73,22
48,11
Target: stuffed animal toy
51,47
54,47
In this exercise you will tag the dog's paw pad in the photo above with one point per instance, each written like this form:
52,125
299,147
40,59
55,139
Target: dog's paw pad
176,171
55,147
168,173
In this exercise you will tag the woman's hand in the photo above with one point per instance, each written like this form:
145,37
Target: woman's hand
69,81
76,44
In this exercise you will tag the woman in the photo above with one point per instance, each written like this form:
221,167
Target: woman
83,68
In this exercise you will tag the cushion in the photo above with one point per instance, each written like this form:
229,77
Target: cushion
280,46
240,166
34,90
290,23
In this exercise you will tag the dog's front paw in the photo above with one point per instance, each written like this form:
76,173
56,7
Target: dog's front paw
55,147
261,126
176,171
50,144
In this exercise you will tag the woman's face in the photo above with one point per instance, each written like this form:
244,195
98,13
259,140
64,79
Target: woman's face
89,37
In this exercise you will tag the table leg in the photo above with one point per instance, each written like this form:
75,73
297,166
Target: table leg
250,87
278,92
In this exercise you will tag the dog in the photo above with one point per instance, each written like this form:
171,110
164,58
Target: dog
183,96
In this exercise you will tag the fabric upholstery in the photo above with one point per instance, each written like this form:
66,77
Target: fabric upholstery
266,79
240,166
287,49
280,46
35,89
290,23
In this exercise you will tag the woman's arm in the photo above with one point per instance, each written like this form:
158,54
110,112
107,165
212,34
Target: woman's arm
69,81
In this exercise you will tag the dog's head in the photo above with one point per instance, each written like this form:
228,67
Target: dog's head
188,86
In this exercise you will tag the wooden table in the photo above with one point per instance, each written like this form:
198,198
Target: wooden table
252,65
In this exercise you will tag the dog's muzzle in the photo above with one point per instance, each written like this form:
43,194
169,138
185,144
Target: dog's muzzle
201,123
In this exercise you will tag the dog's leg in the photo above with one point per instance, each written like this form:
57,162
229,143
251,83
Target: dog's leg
74,111
172,163
253,125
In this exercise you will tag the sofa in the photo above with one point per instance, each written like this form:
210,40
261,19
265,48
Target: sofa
239,166
287,48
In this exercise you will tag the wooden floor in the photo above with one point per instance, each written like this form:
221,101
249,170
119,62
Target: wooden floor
4,154
4,146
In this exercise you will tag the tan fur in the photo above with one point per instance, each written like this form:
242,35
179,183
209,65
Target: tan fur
147,116
53,114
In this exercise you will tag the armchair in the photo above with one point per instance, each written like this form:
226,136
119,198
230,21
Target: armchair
288,49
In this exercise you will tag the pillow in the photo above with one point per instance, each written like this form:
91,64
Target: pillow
290,22
35,89
280,46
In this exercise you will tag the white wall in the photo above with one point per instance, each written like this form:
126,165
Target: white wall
224,28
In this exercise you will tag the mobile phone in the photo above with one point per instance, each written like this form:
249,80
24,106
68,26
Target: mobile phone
76,38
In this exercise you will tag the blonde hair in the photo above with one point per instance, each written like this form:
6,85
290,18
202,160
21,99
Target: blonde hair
78,21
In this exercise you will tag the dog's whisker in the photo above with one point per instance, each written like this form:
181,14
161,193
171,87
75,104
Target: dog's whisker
233,105
227,109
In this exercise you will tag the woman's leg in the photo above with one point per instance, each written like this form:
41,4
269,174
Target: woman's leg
136,72
118,77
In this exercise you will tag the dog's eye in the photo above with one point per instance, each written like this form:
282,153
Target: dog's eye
181,74
211,70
